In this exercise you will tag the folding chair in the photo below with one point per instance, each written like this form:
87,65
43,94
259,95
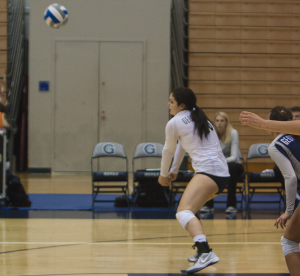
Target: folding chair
107,182
260,182
143,179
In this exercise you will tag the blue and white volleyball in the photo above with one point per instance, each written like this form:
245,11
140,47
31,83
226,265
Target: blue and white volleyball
56,16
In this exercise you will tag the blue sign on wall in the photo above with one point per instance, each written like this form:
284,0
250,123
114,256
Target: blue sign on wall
44,86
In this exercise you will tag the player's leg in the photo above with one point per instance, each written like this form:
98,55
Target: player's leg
200,189
290,243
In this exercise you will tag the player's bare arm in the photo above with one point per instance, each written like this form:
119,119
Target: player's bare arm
253,120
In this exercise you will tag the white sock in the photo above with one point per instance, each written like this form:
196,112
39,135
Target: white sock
200,238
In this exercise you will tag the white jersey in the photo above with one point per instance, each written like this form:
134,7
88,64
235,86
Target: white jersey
206,154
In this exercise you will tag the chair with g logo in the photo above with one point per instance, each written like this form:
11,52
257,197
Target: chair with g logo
145,180
108,182
265,181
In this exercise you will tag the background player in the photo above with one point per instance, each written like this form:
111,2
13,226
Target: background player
282,149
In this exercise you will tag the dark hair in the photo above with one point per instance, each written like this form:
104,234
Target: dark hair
281,113
295,109
184,95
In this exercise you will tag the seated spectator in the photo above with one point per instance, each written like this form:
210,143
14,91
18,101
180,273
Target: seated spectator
229,141
296,112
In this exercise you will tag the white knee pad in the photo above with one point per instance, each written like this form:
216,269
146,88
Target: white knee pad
289,246
184,217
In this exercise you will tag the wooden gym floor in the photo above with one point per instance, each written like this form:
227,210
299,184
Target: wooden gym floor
85,246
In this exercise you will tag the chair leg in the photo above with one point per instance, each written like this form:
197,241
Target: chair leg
242,198
247,202
124,190
94,196
137,193
172,197
93,199
249,199
128,201
280,198
244,201
167,196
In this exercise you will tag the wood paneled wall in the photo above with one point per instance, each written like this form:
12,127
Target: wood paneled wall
244,55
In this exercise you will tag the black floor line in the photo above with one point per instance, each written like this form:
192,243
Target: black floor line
140,239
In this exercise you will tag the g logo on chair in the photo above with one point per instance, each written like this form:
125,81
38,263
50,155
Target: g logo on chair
149,149
262,150
108,149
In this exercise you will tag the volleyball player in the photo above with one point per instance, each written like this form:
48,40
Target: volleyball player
285,151
195,134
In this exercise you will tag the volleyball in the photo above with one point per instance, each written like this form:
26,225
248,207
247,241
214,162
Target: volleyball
56,16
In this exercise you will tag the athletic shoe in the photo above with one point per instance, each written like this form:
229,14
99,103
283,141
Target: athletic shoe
203,247
230,210
231,216
193,258
206,209
204,260
207,215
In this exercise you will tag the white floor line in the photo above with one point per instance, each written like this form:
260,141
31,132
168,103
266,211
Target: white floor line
129,243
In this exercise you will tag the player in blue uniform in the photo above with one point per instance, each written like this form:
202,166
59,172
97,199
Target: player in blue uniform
285,151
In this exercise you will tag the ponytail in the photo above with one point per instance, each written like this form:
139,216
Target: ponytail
202,123
186,96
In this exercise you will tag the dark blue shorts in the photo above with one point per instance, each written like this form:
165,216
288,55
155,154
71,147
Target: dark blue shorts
220,181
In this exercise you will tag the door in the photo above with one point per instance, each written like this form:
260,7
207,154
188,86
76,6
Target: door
121,94
76,104
98,98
